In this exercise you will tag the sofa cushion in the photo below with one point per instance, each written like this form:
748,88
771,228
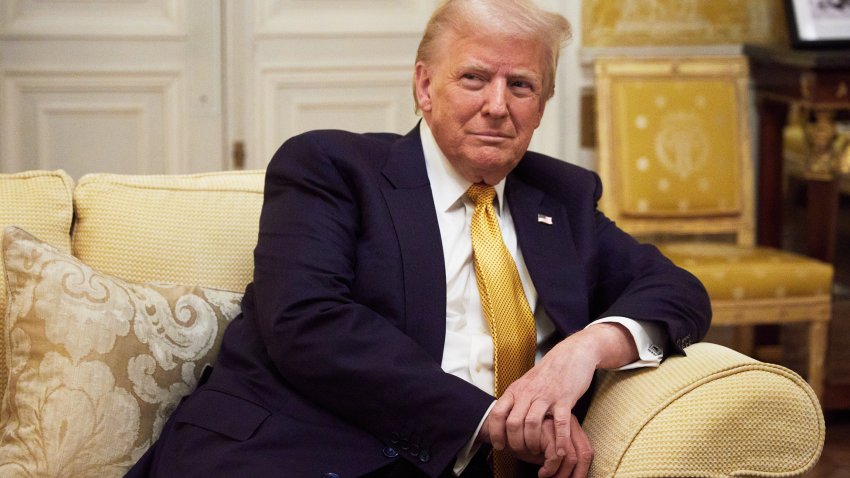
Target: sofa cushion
39,201
187,229
97,363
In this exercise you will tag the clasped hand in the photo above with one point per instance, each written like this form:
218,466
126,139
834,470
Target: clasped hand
533,419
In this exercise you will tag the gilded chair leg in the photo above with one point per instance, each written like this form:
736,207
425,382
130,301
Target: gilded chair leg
817,355
744,339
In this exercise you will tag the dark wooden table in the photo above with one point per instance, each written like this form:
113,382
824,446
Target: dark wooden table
818,81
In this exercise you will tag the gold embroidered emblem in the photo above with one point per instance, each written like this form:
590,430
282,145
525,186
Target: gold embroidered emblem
681,145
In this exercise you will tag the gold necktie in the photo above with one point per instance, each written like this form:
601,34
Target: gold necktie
505,306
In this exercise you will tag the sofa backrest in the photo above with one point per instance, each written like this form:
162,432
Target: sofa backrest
197,229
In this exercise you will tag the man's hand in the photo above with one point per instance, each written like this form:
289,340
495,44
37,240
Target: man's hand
576,463
549,391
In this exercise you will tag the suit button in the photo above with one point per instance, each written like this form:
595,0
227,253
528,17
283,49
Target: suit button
394,439
414,450
330,475
390,452
424,456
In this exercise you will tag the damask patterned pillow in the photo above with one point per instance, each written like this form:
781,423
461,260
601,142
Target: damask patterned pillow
97,363
42,203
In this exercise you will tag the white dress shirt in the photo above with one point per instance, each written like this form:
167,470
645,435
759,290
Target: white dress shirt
468,350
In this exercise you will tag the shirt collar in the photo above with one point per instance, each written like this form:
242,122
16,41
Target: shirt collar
447,185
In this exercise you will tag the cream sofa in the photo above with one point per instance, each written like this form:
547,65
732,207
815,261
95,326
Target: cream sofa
119,288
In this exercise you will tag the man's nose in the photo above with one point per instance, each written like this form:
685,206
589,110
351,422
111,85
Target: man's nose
496,100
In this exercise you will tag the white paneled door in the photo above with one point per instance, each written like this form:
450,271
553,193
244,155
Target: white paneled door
175,86
111,86
168,86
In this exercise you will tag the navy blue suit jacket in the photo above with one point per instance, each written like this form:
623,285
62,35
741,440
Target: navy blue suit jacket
334,365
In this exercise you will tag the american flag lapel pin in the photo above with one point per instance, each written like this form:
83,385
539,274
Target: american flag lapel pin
544,219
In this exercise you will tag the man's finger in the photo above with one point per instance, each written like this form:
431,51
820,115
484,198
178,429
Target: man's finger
515,423
533,426
499,415
552,462
584,450
569,461
562,416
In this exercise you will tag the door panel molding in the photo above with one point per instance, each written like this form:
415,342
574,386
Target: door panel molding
92,19
283,18
361,98
37,105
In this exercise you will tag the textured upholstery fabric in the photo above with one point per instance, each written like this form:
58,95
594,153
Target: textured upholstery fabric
670,165
97,363
39,201
188,229
714,413
735,272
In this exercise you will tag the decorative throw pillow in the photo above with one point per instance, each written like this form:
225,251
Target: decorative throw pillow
40,202
97,363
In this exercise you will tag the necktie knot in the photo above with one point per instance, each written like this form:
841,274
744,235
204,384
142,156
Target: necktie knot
481,194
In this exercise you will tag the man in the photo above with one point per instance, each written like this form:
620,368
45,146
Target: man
372,342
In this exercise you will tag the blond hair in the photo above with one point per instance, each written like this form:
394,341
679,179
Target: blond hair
520,18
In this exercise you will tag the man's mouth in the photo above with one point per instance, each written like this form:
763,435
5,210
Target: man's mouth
494,136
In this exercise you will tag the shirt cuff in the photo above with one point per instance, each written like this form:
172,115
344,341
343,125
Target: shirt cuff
649,338
466,453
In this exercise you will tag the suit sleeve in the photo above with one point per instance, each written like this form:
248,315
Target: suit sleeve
635,280
333,350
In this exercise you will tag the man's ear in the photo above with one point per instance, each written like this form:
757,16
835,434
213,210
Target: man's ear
422,86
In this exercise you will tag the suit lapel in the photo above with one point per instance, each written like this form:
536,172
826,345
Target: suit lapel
411,205
548,249
549,254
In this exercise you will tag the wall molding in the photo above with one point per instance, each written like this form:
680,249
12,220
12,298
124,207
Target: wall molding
310,18
81,20
51,110
15,86
348,88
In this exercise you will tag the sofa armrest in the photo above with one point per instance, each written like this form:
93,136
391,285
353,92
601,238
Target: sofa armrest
713,413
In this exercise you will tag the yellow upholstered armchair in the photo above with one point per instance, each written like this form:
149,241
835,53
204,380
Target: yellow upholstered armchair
674,154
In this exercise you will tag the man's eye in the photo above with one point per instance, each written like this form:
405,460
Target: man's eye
523,88
471,80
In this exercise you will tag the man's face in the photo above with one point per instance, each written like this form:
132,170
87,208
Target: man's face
482,99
